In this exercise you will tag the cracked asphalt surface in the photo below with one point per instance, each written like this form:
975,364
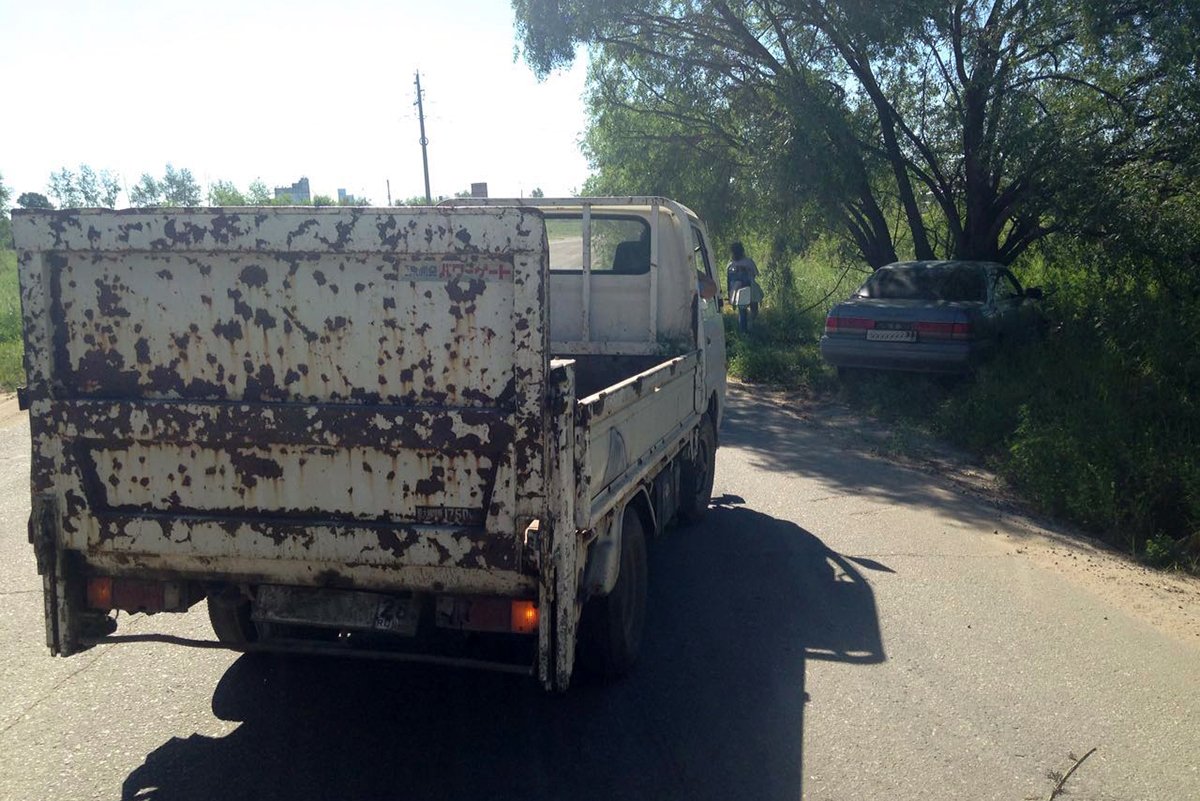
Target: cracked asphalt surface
843,626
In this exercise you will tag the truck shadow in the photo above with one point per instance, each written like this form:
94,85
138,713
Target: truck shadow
714,709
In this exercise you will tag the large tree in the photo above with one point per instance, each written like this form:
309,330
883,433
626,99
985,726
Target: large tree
34,200
175,188
85,187
225,193
258,194
917,127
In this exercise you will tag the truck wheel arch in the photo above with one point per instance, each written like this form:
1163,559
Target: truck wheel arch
604,554
610,627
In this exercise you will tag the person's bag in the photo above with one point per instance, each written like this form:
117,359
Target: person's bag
746,296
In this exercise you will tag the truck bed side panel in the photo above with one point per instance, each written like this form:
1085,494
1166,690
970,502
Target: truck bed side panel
634,426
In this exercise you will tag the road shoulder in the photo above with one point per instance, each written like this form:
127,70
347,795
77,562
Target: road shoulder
10,411
1167,600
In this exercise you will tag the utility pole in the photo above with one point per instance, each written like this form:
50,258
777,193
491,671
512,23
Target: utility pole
424,141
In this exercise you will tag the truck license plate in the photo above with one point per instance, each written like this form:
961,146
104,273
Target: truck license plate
396,615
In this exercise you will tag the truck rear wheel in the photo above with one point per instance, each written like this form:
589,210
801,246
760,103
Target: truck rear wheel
696,478
610,628
229,615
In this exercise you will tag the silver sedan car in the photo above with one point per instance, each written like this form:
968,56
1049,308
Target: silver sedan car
930,316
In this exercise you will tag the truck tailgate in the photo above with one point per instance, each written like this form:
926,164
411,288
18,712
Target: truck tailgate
290,395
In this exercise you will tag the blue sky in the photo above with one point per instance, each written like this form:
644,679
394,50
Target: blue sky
238,90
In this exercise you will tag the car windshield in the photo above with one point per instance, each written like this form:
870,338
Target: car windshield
956,282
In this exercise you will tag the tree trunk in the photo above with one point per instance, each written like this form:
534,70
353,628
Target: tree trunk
975,241
887,125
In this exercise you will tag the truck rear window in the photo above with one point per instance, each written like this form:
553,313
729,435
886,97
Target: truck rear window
620,245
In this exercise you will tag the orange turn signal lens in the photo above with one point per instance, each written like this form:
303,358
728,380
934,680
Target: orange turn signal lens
524,617
100,593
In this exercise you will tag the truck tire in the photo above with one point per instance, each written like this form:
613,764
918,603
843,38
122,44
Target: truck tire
610,628
696,478
230,619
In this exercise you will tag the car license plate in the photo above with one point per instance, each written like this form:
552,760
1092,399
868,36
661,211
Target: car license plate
877,335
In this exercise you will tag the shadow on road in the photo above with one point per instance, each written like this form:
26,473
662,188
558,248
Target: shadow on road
828,444
714,709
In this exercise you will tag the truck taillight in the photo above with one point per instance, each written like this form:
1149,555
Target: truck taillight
105,593
496,615
524,617
834,324
100,593
930,330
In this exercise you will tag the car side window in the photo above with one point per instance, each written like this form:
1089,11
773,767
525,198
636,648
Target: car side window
1006,287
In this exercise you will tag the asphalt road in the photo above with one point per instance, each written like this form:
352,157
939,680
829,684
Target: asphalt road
842,627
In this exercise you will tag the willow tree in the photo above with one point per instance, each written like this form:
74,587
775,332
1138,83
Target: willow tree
916,127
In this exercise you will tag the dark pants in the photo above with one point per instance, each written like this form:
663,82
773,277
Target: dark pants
745,315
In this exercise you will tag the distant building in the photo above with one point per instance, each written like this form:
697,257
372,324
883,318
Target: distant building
296,193
345,199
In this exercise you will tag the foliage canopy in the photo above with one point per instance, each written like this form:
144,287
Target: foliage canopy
34,200
85,187
966,129
175,188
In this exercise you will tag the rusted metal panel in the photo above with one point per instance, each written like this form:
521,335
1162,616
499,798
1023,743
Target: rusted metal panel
357,543
387,576
287,230
342,483
240,424
562,554
286,305
332,328
290,388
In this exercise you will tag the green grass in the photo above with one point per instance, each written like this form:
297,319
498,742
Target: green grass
781,349
12,370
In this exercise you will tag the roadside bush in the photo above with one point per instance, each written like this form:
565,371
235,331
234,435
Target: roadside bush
780,349
1109,432
1099,423
12,371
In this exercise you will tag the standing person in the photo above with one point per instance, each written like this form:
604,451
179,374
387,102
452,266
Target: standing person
741,273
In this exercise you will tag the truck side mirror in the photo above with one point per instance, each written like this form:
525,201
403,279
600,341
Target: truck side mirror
1034,293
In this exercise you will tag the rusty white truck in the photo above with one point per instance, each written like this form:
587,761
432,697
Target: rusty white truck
438,434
